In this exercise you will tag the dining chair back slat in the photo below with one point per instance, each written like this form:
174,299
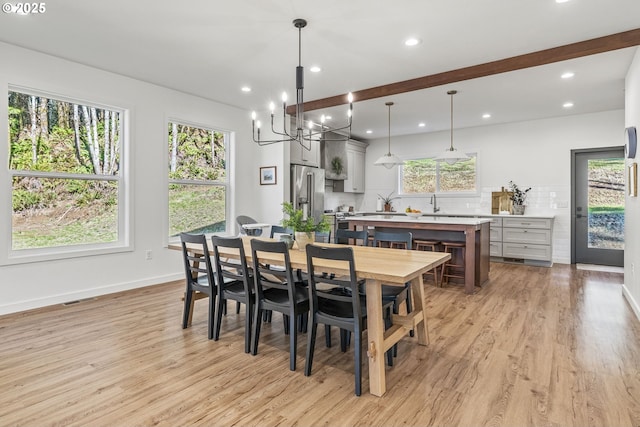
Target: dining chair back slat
199,278
344,236
335,300
277,290
235,283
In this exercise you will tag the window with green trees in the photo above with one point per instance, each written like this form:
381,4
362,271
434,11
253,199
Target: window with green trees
197,179
65,169
430,176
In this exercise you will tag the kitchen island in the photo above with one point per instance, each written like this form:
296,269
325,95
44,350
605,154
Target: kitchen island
474,232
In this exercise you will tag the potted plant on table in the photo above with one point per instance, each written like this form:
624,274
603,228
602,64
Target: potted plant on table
304,228
518,197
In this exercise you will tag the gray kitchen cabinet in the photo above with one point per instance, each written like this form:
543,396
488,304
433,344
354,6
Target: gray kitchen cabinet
354,183
299,155
527,239
521,239
495,236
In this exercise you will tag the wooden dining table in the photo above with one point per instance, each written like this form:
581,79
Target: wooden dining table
378,266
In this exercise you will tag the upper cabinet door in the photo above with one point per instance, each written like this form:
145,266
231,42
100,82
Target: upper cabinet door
301,156
355,165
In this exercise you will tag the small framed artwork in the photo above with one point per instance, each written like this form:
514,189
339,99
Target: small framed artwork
633,180
268,175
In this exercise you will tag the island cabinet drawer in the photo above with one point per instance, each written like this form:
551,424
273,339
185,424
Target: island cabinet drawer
524,235
519,250
496,222
526,222
495,234
495,248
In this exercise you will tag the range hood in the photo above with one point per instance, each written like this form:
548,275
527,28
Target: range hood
333,159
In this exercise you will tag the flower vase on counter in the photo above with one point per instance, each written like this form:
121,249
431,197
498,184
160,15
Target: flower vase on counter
518,197
518,209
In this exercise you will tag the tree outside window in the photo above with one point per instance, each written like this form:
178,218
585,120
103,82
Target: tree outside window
197,179
418,176
66,180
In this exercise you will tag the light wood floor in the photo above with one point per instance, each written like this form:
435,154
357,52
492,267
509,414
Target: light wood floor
535,347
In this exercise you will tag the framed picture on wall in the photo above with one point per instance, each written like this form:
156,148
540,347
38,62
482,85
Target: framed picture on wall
268,175
633,180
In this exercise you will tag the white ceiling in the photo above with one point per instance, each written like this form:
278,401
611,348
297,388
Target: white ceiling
213,48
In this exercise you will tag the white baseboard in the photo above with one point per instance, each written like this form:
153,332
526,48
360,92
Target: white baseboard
632,302
84,294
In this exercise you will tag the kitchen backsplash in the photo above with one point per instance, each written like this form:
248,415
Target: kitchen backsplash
541,201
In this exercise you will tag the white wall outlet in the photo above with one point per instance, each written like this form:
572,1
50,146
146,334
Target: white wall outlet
148,254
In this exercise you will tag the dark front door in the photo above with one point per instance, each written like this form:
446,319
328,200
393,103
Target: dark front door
598,206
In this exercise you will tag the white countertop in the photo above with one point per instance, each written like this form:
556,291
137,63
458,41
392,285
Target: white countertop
426,218
453,214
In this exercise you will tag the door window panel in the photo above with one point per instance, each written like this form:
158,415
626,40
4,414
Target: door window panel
606,203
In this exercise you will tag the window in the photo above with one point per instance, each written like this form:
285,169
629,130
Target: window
197,179
66,178
419,176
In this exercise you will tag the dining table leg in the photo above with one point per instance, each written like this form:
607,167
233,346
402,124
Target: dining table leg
375,334
417,289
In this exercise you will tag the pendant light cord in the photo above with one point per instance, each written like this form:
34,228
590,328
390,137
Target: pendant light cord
389,104
451,93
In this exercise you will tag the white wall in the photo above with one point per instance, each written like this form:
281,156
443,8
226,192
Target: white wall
37,284
631,288
533,154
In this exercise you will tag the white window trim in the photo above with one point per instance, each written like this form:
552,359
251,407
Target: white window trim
9,256
451,194
228,139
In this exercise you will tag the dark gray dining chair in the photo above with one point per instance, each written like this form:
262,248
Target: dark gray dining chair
243,220
277,290
199,278
235,283
339,303
395,294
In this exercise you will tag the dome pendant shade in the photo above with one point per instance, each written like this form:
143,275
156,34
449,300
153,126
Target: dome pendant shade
452,155
389,160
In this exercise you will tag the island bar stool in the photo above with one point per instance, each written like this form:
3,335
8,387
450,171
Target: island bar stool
455,266
428,245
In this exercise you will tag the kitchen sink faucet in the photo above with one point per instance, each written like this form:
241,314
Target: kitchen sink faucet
434,202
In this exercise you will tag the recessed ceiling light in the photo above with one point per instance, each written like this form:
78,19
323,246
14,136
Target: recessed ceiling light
567,104
245,89
315,69
561,1
369,131
412,41
567,75
422,124
486,116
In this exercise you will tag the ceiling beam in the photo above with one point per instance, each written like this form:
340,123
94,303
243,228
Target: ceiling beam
562,53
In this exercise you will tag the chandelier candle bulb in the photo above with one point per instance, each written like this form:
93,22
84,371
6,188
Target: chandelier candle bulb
298,133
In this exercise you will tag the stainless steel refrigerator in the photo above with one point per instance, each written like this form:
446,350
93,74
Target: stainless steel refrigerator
307,190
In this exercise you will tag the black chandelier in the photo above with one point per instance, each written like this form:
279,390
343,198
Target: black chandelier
301,134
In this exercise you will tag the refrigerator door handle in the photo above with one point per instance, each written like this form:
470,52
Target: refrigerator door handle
310,190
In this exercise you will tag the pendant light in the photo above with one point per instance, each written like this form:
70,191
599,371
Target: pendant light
451,155
389,160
